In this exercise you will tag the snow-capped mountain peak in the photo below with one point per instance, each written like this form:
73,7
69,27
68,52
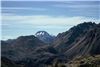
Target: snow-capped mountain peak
44,36
40,33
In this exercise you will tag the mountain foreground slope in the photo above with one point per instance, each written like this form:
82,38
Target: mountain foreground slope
89,44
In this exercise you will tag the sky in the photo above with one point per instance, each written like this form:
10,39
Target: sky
20,18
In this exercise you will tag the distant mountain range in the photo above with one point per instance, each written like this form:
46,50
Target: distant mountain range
34,51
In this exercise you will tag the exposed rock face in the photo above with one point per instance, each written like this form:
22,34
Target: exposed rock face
89,44
65,40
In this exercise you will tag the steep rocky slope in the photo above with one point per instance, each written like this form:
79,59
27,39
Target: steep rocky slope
89,44
65,40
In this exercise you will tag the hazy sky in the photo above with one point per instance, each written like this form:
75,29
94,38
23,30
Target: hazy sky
28,17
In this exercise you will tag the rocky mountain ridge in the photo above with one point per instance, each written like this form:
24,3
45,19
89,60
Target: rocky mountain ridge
30,51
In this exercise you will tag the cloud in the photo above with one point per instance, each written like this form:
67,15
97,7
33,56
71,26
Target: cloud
46,20
7,37
77,6
16,25
24,8
48,0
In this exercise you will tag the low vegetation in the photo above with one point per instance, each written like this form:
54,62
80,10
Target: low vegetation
86,61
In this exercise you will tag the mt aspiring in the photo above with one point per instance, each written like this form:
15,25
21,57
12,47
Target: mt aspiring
45,37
